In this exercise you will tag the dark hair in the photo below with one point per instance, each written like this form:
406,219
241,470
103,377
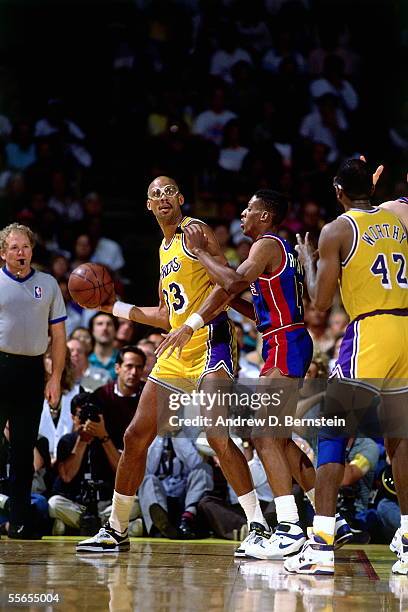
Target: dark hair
79,400
355,178
276,203
130,348
98,314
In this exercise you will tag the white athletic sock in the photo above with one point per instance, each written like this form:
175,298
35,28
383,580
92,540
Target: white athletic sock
121,507
250,505
311,497
326,525
404,523
286,509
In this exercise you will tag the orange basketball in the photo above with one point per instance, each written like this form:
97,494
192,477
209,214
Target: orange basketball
91,285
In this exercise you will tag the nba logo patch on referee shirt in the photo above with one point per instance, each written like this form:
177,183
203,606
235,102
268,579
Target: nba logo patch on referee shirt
37,292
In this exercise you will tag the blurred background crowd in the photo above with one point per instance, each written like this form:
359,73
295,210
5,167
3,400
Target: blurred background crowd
227,97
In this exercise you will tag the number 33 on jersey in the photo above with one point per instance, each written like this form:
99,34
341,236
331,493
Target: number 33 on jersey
184,281
374,274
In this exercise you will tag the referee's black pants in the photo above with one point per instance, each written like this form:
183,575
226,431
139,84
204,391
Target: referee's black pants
21,403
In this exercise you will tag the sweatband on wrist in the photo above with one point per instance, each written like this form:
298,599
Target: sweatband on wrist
122,310
195,321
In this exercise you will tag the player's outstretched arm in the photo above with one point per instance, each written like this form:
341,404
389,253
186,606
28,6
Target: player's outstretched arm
232,281
259,256
156,316
321,279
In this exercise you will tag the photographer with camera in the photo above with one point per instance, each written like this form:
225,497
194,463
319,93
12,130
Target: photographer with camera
86,464
87,459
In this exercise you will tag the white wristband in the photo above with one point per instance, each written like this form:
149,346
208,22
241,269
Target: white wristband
195,321
122,310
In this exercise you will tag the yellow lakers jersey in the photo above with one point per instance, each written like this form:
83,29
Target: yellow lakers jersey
184,280
374,274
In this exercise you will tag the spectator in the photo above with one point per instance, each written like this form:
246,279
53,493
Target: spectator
228,55
219,508
125,334
105,251
284,49
86,453
62,202
103,327
64,132
222,234
334,351
246,369
83,250
333,82
39,517
88,377
338,321
83,335
316,322
56,420
118,400
176,479
76,315
148,349
59,267
327,124
210,123
232,152
21,151
155,336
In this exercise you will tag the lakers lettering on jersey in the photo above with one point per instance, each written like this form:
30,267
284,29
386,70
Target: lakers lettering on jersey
374,290
184,280
185,285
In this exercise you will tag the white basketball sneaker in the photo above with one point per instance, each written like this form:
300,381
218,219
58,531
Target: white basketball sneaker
401,566
342,532
395,544
256,530
316,557
107,540
288,539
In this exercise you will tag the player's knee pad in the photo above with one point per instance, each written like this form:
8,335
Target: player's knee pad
331,450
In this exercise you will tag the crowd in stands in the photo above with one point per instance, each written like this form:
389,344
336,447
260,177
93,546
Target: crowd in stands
227,97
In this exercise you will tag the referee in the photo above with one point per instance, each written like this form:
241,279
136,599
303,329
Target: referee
31,307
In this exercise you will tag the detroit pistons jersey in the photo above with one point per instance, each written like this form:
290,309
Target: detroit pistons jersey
277,297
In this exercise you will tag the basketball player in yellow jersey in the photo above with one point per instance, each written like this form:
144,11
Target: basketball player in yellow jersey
184,285
366,251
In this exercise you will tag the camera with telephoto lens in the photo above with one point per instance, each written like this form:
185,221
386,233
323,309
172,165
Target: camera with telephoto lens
90,522
89,411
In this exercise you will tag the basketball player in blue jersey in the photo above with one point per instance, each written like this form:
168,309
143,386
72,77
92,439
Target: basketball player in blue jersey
184,285
365,250
275,276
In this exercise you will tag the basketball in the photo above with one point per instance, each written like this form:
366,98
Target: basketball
91,285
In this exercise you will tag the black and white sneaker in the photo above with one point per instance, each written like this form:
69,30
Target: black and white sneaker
256,530
107,540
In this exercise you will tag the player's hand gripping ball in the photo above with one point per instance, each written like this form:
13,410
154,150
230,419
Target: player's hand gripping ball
91,285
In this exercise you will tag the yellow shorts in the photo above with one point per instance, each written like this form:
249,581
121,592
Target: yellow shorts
211,348
374,349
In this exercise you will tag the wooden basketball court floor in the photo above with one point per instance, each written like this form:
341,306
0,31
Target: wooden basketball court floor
169,576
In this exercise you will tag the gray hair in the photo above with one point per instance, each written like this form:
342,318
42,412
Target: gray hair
15,227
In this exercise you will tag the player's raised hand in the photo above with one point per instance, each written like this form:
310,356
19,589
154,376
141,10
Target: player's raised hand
305,249
176,339
196,238
377,173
